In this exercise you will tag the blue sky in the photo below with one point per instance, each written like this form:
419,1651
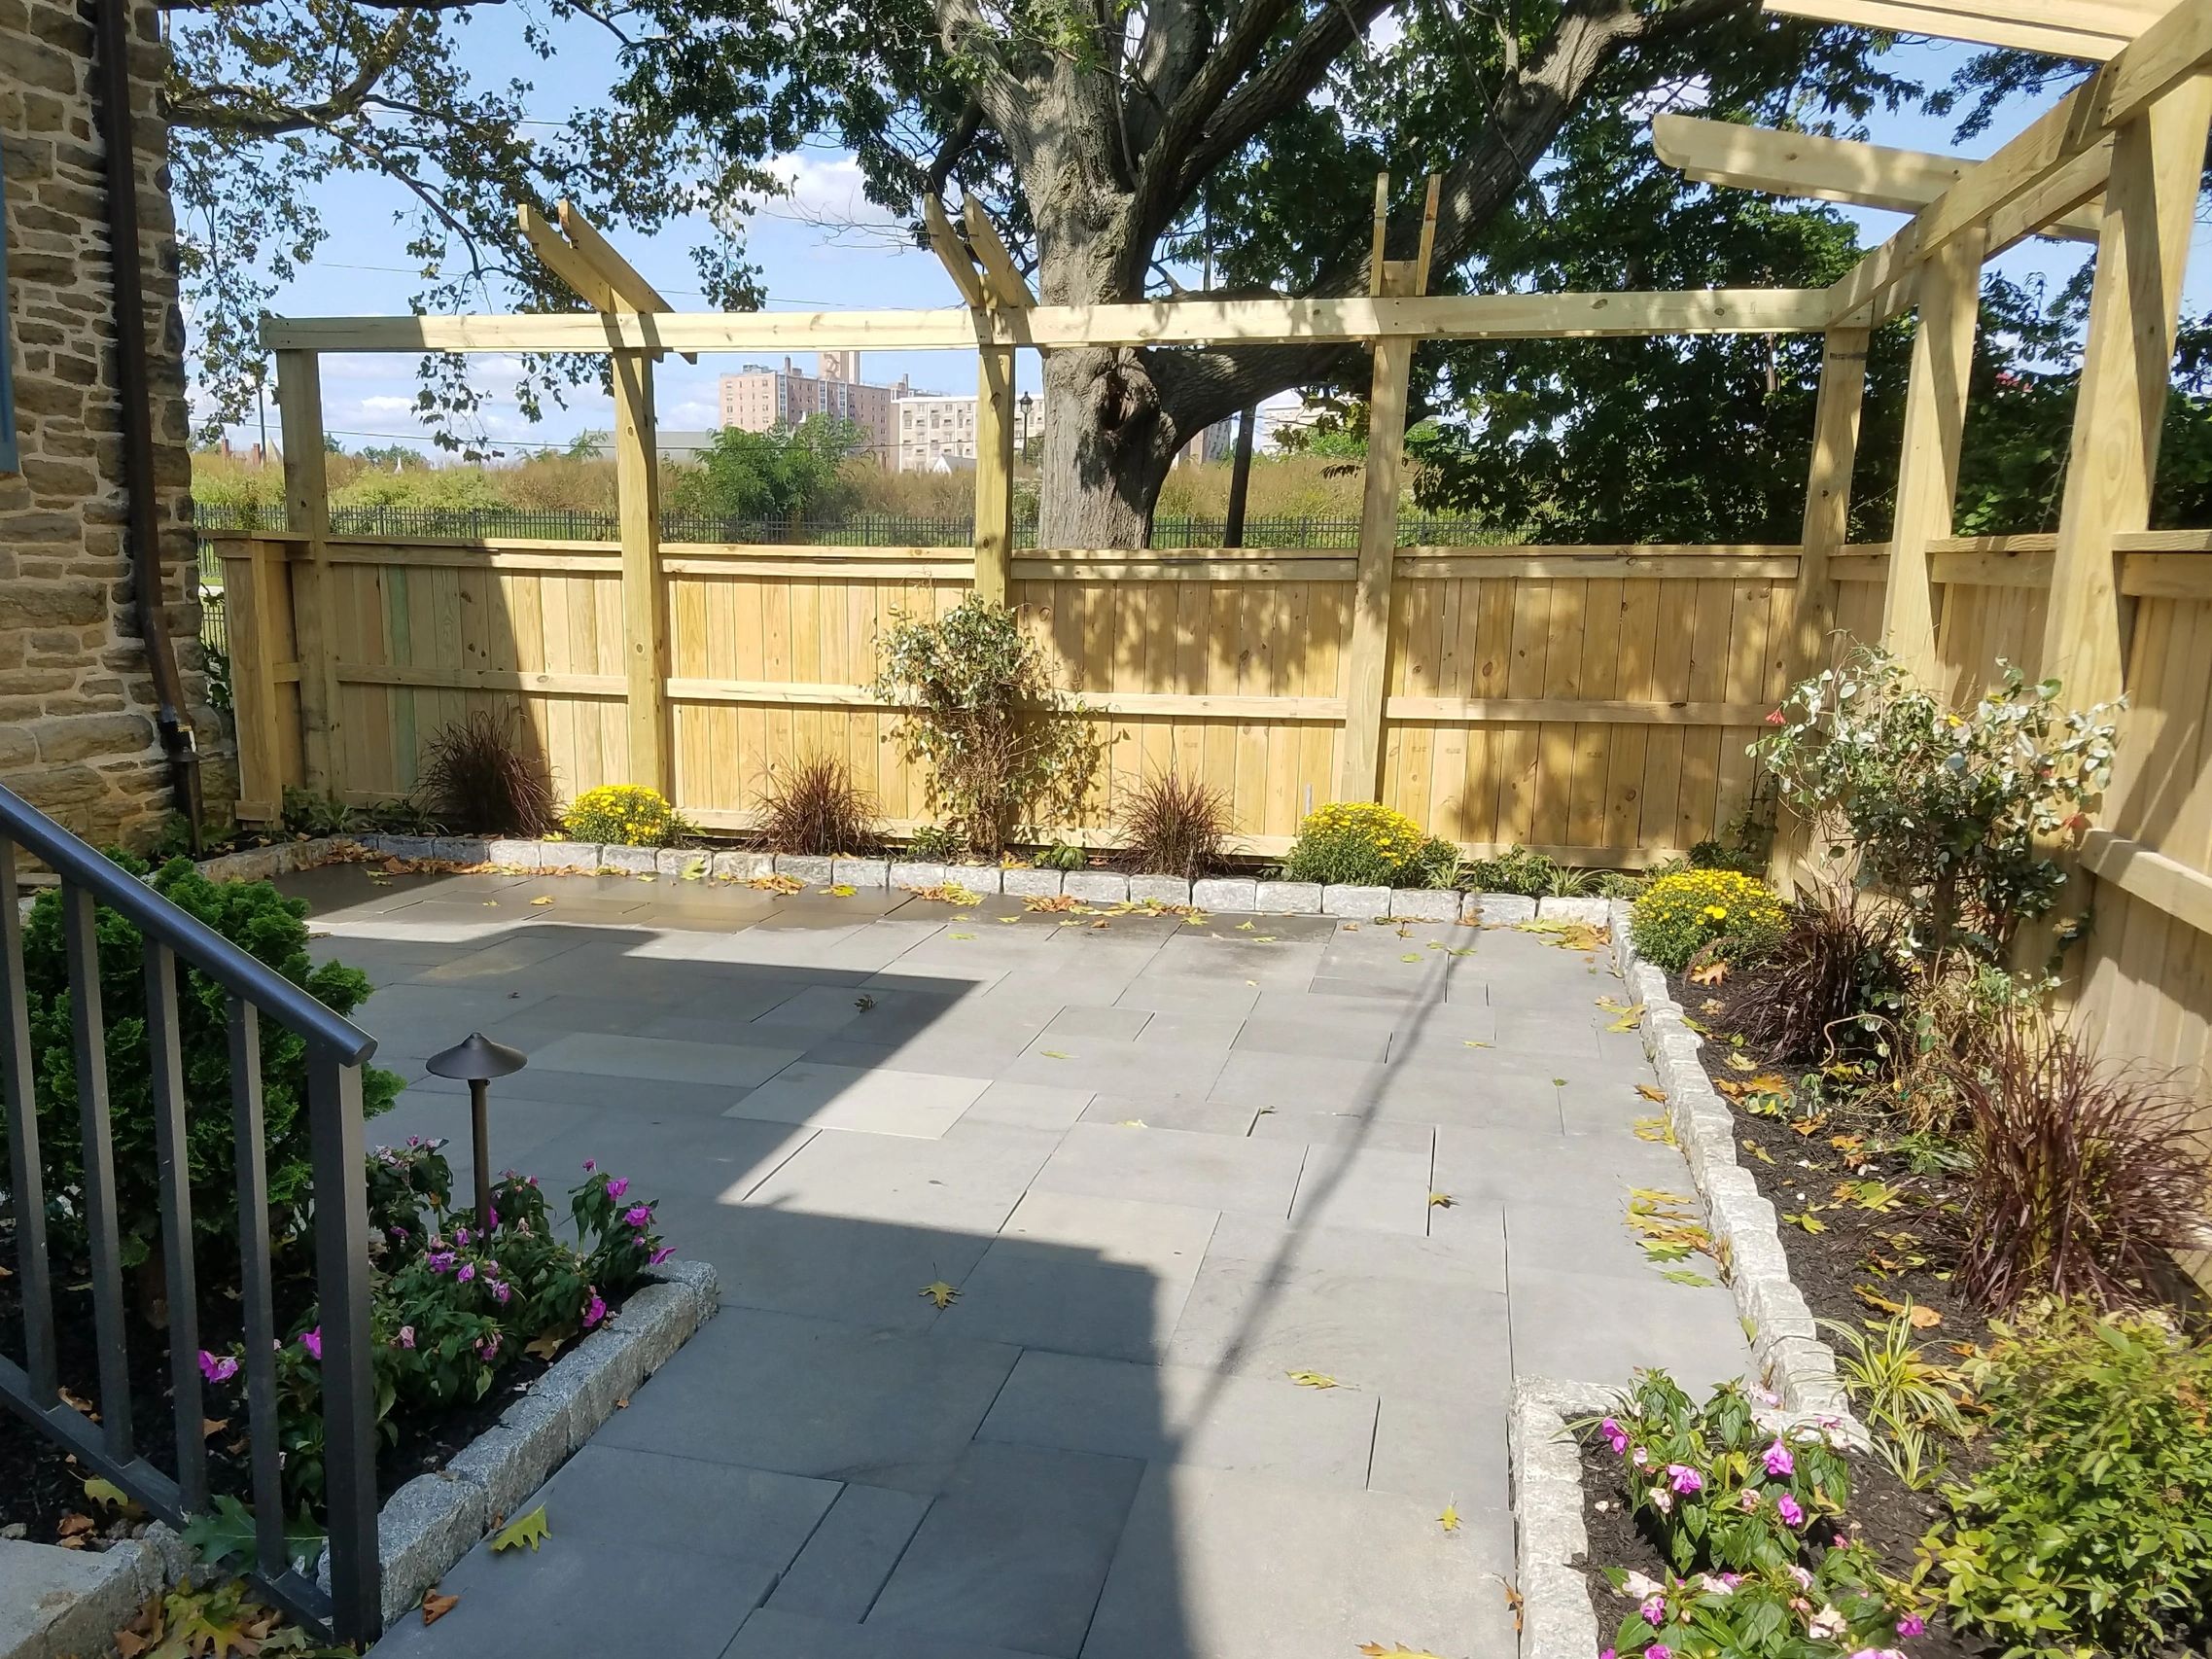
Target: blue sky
807,267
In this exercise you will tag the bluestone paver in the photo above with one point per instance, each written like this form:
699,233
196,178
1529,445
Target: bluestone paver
1093,1449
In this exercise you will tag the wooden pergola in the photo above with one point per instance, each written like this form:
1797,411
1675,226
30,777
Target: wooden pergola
2116,162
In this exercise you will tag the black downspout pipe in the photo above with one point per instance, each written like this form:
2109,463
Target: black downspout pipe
142,536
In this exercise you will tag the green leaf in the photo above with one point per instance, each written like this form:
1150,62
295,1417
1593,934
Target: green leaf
530,1529
1684,1276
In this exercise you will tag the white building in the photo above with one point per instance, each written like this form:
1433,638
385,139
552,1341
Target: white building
933,428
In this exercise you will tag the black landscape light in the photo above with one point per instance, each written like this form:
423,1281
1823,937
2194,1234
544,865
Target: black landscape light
480,1060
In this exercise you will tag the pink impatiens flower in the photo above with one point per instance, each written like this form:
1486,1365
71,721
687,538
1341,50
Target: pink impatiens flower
501,1292
660,1255
1749,1501
466,1273
312,1341
617,1187
590,1164
1790,1510
639,1216
216,1368
406,1337
1662,1500
1659,1650
1911,1624
1685,1478
1777,1460
594,1310
1616,1437
1653,1610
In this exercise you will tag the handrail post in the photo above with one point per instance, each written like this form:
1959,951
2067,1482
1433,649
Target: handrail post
350,1389
80,943
25,1175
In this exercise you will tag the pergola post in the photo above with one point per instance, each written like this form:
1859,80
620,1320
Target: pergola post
1927,472
1827,527
2150,208
1359,766
307,509
993,471
645,608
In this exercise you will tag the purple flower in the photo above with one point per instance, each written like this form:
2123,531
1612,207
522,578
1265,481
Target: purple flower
501,1292
1653,1610
414,1140
312,1341
460,1235
491,1216
590,1164
439,1261
594,1310
399,1232
1749,1501
1790,1510
1659,1650
1911,1624
466,1273
1616,1437
488,1349
1777,1460
1684,1478
406,1337
617,1187
639,1216
660,1255
215,1369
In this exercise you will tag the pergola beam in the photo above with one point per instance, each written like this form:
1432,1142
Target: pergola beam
2092,29
1826,169
1164,322
2166,53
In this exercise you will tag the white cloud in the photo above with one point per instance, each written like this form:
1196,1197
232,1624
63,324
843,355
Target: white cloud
824,190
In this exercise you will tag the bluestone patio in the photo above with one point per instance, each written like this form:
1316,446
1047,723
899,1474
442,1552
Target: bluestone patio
1166,1165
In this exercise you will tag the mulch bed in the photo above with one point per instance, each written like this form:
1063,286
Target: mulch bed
1853,1258
1886,1516
42,1487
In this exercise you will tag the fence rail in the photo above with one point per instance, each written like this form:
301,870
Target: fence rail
177,943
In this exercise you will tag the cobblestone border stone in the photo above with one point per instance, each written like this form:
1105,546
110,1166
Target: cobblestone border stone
1556,1618
436,1519
1238,894
1785,1343
82,1616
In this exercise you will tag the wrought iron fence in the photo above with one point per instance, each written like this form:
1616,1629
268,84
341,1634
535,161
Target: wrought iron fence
848,530
177,944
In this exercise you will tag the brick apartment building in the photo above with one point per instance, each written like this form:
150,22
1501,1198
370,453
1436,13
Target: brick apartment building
759,399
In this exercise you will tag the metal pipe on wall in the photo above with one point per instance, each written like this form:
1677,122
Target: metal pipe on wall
142,537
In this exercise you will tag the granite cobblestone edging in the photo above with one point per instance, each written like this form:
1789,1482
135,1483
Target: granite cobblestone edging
1786,1346
436,1519
1243,893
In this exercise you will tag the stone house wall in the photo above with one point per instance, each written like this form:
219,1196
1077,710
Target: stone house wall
76,698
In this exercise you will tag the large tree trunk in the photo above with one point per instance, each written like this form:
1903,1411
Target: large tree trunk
1107,444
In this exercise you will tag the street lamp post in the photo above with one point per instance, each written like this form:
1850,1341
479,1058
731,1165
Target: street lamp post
480,1060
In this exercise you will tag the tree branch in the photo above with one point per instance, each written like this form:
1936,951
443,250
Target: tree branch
228,109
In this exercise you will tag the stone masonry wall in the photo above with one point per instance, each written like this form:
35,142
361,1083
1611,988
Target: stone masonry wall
76,698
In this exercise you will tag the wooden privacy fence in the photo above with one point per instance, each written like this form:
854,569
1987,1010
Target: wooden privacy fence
1595,701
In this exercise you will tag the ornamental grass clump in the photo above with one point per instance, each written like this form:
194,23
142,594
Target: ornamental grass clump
815,807
621,815
1173,824
1749,1518
1677,916
1834,983
482,774
2087,1180
1364,844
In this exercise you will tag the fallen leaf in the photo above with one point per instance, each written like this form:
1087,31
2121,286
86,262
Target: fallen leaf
78,1402
1711,974
1450,1519
1630,1020
1441,1201
959,935
1312,1379
1656,1130
547,899
1245,926
1473,1043
1396,1650
1132,1124
530,1529
1513,1600
1410,956
1683,1276
1806,1220
1737,1062
863,1004
98,1490
1651,1091
1758,1151
941,1293
842,889
544,1347
621,1402
210,1427
1712,1006
1054,1055
1920,1318
73,1525
435,1607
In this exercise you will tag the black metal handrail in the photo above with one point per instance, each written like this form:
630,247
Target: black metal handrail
336,1050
